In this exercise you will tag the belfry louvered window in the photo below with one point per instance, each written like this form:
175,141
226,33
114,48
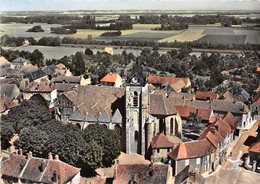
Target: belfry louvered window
135,99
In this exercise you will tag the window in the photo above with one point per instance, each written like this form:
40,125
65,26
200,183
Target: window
168,150
186,162
136,135
158,150
171,126
135,99
197,161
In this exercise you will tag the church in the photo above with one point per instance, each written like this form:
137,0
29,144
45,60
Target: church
148,113
137,110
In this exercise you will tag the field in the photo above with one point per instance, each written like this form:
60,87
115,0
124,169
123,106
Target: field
187,35
209,33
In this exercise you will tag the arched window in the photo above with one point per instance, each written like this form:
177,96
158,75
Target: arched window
78,126
171,126
135,99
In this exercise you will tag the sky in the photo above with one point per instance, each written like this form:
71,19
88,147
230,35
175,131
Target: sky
34,5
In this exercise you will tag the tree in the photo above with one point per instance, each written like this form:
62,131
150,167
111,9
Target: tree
7,132
36,58
33,112
88,51
78,62
34,140
107,139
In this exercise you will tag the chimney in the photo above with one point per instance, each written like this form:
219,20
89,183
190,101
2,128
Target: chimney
29,155
57,157
42,166
192,175
50,157
20,151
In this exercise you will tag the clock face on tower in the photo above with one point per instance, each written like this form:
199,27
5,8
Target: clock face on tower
134,80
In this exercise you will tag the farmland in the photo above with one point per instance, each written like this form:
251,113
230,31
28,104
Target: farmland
213,33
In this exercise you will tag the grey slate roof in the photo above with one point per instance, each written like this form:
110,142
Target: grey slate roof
9,90
117,117
104,117
35,75
76,116
91,117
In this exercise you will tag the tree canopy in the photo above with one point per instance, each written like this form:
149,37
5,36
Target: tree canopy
94,147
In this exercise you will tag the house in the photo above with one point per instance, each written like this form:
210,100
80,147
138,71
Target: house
36,76
206,96
109,50
210,150
76,80
111,79
189,175
174,83
62,70
4,63
143,173
44,88
160,146
255,108
29,169
10,91
254,152
18,63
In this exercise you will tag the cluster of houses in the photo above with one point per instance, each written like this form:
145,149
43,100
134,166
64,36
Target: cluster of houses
147,111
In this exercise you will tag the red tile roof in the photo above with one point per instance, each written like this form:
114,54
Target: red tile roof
165,80
13,166
110,77
43,86
18,166
6,103
257,101
160,105
204,114
161,141
184,111
255,148
222,127
201,95
193,149
257,69
230,119
141,173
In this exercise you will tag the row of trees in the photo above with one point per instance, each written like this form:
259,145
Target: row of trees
94,147
196,19
62,30
57,41
111,33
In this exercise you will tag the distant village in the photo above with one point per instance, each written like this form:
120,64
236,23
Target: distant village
170,133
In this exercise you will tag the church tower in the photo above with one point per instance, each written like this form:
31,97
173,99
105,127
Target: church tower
136,110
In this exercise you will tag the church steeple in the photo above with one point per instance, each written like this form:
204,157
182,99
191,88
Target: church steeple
136,76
